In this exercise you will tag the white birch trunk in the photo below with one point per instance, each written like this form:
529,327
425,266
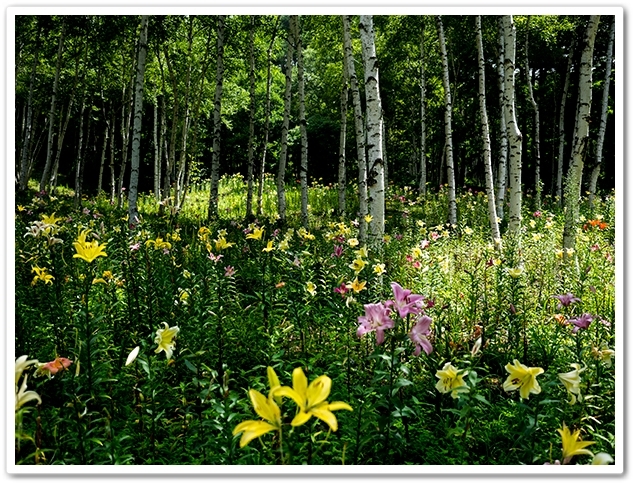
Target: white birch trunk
485,132
580,138
77,197
342,152
26,144
102,161
601,130
213,203
280,181
359,129
250,141
422,182
374,130
514,135
155,144
133,215
564,97
448,130
537,133
302,120
502,170
56,81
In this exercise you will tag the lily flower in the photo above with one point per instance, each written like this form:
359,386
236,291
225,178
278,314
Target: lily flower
566,299
523,378
379,268
451,380
602,459
221,243
419,334
21,364
88,250
376,318
311,288
165,339
582,322
23,396
265,408
572,446
41,274
357,286
256,234
358,265
52,367
404,301
312,399
572,382
132,356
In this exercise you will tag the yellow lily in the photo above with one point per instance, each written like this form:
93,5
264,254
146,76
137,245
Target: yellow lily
358,265
312,399
88,250
269,247
256,234
221,243
523,378
311,288
451,380
572,382
267,409
41,274
572,446
165,339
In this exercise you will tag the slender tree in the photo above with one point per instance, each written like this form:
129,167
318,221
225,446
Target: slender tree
342,152
359,129
374,130
280,181
537,125
502,169
448,130
581,136
514,134
603,124
485,133
302,120
133,215
564,97
250,142
422,182
213,204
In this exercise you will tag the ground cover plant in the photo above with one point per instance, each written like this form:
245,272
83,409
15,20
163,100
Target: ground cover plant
178,341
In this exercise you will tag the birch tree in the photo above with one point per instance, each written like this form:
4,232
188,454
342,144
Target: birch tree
514,134
374,130
537,125
342,153
359,129
581,136
448,130
250,141
56,82
133,215
564,97
485,133
502,169
213,203
302,120
603,124
422,182
280,181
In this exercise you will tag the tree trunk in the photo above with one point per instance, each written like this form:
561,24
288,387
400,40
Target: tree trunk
485,132
111,163
126,117
422,182
448,130
79,166
502,171
172,146
133,215
564,97
280,181
601,130
250,142
56,82
302,120
580,138
538,185
342,152
359,128
155,144
514,135
102,161
26,143
186,122
261,171
213,204
374,130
